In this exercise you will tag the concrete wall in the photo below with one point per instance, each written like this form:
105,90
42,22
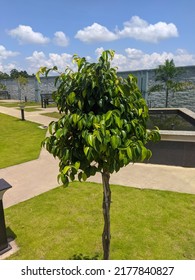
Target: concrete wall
146,78
31,90
173,153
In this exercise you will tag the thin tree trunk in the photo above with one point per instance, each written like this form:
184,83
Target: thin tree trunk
167,94
106,213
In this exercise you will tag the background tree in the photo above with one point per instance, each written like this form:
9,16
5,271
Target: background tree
14,74
103,128
2,86
3,76
167,75
22,82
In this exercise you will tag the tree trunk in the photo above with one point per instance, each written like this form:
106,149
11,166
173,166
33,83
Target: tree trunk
106,213
167,94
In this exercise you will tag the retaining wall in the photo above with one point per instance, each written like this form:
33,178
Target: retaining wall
146,78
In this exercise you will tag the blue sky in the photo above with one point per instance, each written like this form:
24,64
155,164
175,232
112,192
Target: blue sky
142,33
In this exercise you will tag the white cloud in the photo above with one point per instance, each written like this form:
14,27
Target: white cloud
6,68
131,59
99,51
4,54
26,35
95,33
134,53
136,28
135,59
39,59
60,39
140,29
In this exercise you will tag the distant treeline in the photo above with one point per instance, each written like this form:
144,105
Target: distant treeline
15,74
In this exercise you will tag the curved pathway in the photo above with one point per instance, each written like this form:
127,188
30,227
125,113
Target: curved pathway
34,177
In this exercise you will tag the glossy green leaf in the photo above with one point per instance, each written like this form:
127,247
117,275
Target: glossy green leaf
77,165
71,98
66,169
115,141
64,180
59,133
90,139
84,176
129,152
108,115
86,150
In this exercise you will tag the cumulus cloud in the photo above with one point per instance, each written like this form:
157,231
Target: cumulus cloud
140,29
26,35
95,33
6,68
4,53
131,59
136,28
60,39
39,59
135,59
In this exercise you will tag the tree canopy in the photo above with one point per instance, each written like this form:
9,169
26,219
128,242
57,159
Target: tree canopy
103,127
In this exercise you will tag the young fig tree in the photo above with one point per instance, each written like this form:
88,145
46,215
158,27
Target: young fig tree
103,127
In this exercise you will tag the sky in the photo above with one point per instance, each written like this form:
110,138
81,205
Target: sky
142,33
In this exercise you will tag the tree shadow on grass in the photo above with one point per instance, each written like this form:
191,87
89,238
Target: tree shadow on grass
80,256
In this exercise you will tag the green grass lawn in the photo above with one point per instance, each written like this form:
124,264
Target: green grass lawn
56,115
16,104
31,109
66,222
20,141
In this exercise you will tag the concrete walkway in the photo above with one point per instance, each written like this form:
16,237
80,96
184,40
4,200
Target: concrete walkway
34,177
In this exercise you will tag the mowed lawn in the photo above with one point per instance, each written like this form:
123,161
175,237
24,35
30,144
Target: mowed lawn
20,141
66,223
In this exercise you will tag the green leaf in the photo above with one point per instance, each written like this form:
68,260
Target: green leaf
90,139
86,150
108,115
121,155
115,141
80,124
59,133
51,127
129,152
42,71
149,154
75,118
80,176
80,104
64,180
71,98
66,169
96,134
84,176
77,165
118,121
124,134
144,153
66,155
140,111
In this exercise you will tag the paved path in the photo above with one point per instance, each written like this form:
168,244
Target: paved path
34,177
